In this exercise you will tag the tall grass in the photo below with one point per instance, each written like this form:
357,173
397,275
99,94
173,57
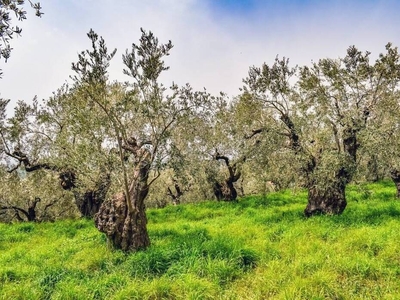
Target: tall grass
258,248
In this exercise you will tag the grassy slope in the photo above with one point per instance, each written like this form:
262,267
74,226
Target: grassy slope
255,249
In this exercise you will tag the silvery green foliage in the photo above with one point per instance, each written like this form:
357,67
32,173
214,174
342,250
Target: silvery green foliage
326,110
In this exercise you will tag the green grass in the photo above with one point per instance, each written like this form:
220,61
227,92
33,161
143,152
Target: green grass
258,248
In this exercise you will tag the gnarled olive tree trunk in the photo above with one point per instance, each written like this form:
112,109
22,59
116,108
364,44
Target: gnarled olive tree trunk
225,190
176,197
89,201
123,222
328,195
329,199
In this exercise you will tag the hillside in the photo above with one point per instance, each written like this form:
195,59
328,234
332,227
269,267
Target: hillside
258,248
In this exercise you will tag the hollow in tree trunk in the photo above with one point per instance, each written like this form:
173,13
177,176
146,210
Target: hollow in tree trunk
124,226
89,202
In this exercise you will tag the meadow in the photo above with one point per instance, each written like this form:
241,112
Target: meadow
261,247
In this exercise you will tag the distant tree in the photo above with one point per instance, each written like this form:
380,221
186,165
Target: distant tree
226,190
384,139
7,30
33,198
227,150
229,146
44,138
75,134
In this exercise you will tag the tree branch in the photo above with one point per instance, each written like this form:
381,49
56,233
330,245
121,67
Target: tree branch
254,132
15,208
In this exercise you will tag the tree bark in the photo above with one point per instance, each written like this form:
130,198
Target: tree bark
125,229
395,175
176,197
30,214
226,190
90,201
328,199
325,195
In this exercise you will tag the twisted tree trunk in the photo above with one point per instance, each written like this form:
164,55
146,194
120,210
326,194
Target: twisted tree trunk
89,202
176,197
327,195
329,199
127,229
226,190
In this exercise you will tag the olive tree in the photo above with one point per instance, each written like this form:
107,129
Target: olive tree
383,144
142,116
230,147
325,111
45,138
27,191
75,134
33,198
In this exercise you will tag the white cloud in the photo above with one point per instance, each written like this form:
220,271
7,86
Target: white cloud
211,50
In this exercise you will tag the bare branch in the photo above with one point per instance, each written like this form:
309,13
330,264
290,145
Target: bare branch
155,178
254,132
15,208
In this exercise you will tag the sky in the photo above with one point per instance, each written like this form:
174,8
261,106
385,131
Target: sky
215,41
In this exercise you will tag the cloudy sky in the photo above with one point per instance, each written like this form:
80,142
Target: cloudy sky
215,41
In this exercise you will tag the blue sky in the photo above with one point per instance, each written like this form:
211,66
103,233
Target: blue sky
235,6
215,41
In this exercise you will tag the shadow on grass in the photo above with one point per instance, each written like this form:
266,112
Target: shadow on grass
188,251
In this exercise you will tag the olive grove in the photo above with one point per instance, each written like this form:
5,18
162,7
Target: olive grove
105,149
